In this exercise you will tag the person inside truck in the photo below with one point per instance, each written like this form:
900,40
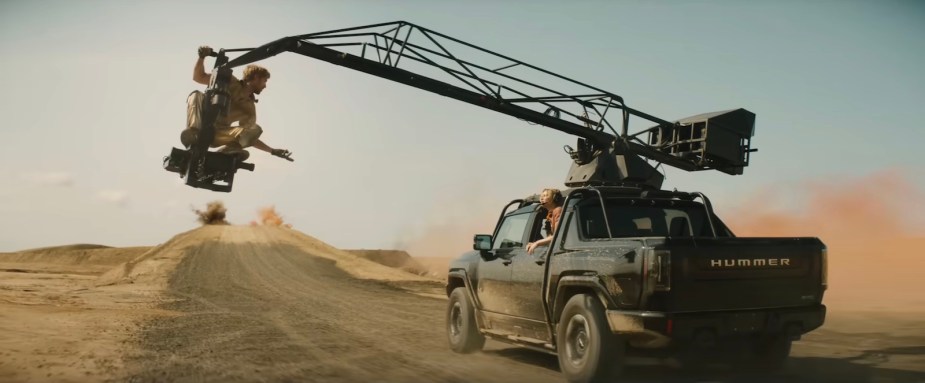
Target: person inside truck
551,200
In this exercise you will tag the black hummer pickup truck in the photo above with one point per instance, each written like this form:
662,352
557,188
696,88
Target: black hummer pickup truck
635,270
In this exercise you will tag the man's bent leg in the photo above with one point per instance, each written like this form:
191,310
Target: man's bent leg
248,134
235,139
193,103
225,136
189,135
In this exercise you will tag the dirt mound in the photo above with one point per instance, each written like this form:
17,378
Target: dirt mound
356,265
73,259
77,246
398,259
155,264
158,261
436,266
84,321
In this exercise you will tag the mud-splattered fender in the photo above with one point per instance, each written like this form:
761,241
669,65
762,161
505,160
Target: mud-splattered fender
570,285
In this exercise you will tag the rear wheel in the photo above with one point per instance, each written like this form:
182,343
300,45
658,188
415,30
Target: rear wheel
461,329
588,351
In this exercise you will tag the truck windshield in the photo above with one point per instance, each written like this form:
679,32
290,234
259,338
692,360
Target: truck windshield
643,218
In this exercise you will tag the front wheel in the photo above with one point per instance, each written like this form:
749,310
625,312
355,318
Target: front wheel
461,329
588,351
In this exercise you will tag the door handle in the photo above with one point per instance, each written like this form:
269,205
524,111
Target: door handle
507,262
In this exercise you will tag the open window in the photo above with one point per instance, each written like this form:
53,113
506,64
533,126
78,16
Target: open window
541,226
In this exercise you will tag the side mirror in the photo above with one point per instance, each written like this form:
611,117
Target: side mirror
481,242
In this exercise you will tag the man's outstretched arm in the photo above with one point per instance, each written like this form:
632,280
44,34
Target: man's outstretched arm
282,153
199,70
262,146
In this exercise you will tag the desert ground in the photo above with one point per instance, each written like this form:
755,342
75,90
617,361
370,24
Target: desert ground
230,303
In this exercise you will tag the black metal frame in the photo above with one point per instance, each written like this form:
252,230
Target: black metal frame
393,41
380,48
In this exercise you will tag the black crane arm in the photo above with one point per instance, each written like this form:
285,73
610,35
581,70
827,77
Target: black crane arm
514,88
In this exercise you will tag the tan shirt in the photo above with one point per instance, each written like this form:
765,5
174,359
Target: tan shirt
242,109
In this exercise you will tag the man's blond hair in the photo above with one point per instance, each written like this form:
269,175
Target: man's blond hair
253,71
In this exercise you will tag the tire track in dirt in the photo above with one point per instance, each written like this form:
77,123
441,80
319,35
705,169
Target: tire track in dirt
271,312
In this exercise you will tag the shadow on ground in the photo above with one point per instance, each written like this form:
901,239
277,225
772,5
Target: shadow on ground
862,368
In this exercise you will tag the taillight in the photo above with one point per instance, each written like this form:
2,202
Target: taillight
663,265
657,270
825,268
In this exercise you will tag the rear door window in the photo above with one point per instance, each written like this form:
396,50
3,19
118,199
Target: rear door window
631,218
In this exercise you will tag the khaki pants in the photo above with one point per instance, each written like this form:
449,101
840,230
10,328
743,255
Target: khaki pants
243,136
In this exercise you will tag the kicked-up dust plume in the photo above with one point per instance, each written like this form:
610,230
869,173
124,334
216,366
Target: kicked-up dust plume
448,230
869,225
214,214
269,217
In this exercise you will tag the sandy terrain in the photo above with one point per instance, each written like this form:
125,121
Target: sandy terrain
236,303
398,259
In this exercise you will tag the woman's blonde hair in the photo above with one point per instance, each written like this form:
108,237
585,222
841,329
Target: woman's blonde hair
555,194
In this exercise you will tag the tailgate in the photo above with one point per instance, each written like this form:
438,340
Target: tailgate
741,273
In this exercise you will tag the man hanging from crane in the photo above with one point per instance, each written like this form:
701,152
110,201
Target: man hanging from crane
242,110
710,141
210,117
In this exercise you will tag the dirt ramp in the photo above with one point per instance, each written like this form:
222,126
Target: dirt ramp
276,305
156,264
355,265
65,248
71,259
158,261
398,259
436,267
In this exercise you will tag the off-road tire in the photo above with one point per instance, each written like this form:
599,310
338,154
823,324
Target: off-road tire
588,351
461,330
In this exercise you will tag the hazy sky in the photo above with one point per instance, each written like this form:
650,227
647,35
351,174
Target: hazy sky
94,96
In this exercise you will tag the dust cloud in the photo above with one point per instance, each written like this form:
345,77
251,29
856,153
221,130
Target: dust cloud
448,230
268,216
214,214
869,225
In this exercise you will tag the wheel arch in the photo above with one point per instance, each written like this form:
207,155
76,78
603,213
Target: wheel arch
572,285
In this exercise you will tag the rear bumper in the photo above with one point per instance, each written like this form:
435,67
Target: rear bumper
789,322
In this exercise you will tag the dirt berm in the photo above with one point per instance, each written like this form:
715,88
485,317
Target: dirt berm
242,304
